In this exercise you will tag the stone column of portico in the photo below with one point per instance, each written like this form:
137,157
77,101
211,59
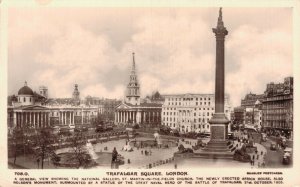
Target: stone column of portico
34,120
16,120
45,119
48,118
65,118
72,117
139,117
118,117
38,119
25,115
30,121
61,117
42,119
126,114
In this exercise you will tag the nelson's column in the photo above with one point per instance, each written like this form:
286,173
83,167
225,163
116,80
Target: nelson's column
217,146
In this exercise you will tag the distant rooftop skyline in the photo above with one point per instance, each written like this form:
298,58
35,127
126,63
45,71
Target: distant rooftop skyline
174,49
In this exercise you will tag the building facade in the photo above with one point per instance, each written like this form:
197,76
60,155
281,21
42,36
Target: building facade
239,116
106,106
190,112
277,107
132,110
31,110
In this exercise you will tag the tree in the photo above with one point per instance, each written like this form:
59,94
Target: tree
17,142
79,151
44,149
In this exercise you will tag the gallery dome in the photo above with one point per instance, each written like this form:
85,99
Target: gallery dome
25,90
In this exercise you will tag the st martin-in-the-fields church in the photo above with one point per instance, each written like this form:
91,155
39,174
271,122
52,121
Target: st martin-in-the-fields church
132,110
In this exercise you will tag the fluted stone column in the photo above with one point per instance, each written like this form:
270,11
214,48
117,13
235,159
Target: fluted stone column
219,120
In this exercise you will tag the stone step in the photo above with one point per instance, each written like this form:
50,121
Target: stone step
217,143
216,150
210,155
217,146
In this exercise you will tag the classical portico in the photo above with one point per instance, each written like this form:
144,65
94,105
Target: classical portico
31,116
145,113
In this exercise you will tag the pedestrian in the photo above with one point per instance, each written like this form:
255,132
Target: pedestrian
128,161
175,166
142,152
261,153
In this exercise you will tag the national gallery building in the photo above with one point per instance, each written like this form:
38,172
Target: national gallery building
35,110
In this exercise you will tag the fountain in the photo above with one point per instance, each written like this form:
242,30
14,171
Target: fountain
127,147
91,151
157,139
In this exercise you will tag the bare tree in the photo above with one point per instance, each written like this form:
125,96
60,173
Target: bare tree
16,142
43,141
79,150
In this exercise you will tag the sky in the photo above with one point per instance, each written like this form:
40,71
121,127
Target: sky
174,50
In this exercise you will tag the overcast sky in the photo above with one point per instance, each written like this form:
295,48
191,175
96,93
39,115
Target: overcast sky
174,47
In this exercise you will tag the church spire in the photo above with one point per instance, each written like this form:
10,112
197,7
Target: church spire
133,63
133,87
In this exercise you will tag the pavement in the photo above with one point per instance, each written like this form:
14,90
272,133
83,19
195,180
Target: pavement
272,159
137,159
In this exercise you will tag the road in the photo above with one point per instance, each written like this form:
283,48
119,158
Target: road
273,157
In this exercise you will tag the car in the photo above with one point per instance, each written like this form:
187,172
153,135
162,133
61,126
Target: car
56,129
72,126
81,129
287,155
109,127
64,131
263,137
273,146
99,128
